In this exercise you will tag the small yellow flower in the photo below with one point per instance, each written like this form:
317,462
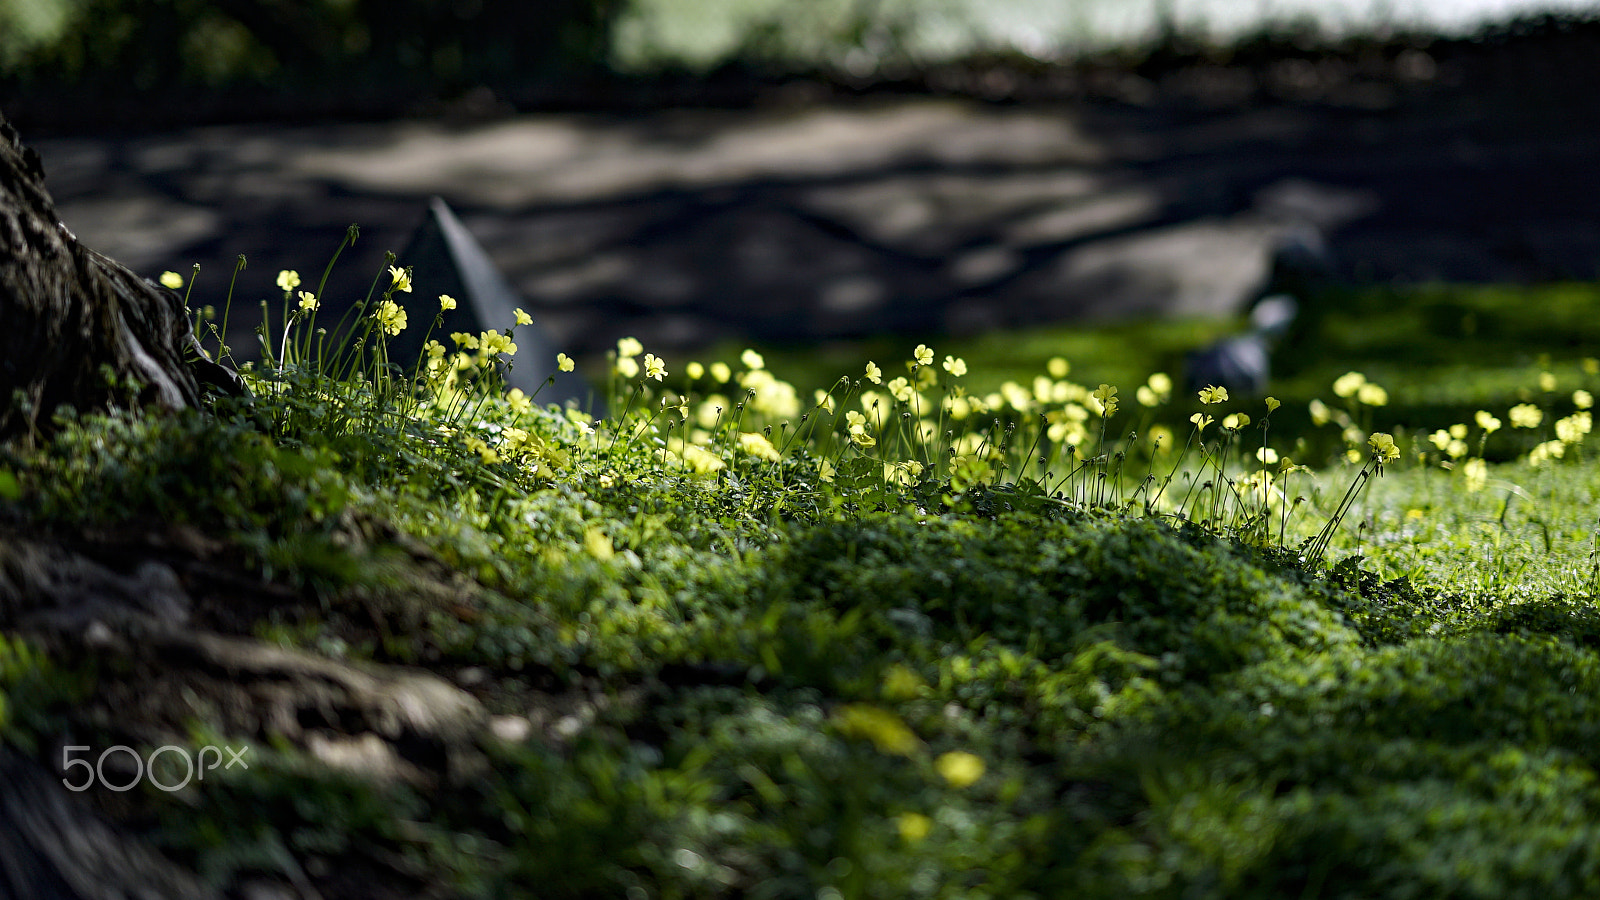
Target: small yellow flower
1572,428
826,470
518,401
913,827
1161,384
173,280
887,731
1372,395
756,444
955,366
1272,405
1582,399
401,278
1347,384
1320,413
702,461
515,437
288,280
598,544
446,302
862,439
1267,455
308,301
1236,422
434,349
1107,395
628,347
695,371
1476,474
1201,420
391,317
1526,415
752,360
654,367
720,373
923,355
1147,396
564,362
464,340
959,768
1486,421
627,366
1547,381
901,389
1057,367
522,317
1213,394
874,374
1383,448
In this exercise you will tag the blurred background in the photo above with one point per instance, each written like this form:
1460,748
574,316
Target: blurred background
701,173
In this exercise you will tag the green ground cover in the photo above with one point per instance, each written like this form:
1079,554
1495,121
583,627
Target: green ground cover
958,628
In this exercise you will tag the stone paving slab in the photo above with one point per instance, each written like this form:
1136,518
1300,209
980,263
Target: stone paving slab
912,215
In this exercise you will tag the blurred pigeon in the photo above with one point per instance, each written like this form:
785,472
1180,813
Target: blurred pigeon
1242,363
446,259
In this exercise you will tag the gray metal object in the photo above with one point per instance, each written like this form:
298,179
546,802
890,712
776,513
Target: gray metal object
446,259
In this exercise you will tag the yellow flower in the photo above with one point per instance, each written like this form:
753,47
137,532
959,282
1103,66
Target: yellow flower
913,827
515,437
173,280
1267,455
654,367
825,470
1547,381
391,317
522,317
288,280
1272,404
959,768
1458,430
1161,384
446,302
564,362
1200,420
1107,395
1372,395
1236,422
518,401
1526,415
434,349
627,366
901,389
1320,413
1572,428
1440,438
308,301
462,339
720,372
883,728
1582,399
862,439
598,544
874,374
1476,474
1487,421
923,355
628,347
1347,384
484,451
401,277
1160,437
1383,448
955,366
702,461
1146,396
824,399
855,420
756,444
1058,367
1213,394
752,360
695,371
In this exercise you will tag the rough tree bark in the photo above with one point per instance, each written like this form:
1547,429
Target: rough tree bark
74,324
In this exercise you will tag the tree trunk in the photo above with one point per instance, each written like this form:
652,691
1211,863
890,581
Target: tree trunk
75,326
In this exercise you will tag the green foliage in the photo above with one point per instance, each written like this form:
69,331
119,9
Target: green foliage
772,649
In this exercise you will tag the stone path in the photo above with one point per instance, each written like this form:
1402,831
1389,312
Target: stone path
914,215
